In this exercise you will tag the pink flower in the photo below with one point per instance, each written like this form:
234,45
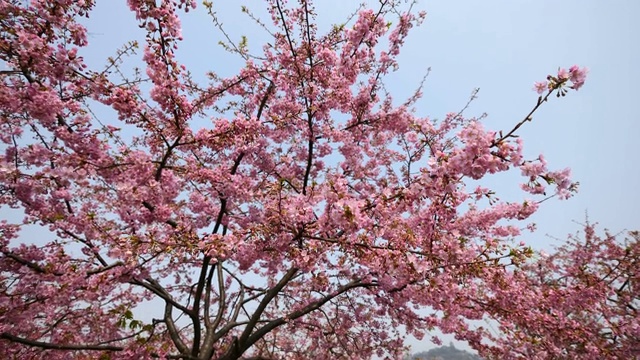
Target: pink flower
563,74
540,86
577,76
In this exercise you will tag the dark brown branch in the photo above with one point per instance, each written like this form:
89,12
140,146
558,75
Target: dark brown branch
304,311
103,269
209,339
46,345
526,118
194,314
152,208
157,289
173,331
270,295
33,266
202,280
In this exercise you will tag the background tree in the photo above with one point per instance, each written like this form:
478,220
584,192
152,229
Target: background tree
444,353
293,210
583,301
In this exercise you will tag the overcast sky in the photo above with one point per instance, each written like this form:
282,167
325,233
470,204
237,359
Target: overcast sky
502,47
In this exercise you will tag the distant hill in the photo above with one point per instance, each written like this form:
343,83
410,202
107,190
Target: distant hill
445,353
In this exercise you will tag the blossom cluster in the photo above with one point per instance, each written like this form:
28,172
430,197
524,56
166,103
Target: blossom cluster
575,75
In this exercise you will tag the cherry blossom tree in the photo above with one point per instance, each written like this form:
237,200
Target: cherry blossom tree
290,211
583,301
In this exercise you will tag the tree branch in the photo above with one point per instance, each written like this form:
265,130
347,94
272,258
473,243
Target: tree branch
46,345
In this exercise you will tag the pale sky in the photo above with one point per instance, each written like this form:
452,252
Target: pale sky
502,47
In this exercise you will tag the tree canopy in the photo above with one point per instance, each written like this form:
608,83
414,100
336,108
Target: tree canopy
291,211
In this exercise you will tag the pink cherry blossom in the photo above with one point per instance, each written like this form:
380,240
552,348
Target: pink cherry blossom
563,74
577,76
541,86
